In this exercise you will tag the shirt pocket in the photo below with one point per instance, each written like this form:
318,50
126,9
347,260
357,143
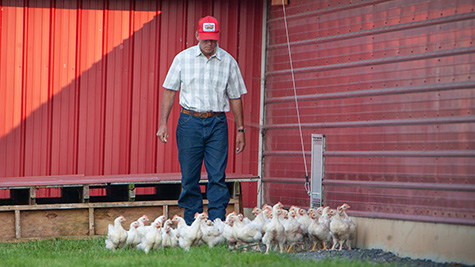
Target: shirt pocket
219,80
191,79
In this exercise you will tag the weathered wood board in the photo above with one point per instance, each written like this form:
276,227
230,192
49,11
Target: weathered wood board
81,219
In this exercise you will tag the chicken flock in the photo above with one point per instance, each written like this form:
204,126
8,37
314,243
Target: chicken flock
273,226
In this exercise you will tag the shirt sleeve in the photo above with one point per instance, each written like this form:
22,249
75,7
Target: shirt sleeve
236,86
173,79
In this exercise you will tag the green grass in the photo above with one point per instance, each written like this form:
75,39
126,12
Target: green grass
92,252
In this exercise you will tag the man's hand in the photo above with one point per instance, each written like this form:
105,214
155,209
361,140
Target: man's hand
167,104
162,133
240,142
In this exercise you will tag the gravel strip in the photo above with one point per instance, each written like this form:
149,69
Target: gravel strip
370,255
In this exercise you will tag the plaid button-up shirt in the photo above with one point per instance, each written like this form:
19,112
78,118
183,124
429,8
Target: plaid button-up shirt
205,84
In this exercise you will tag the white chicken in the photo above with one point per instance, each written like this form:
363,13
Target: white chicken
246,234
133,238
188,235
339,229
116,234
267,211
293,231
161,219
226,229
152,239
319,230
141,229
342,210
211,234
260,220
304,220
169,238
274,231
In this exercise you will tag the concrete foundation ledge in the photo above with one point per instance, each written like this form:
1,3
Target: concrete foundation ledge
420,240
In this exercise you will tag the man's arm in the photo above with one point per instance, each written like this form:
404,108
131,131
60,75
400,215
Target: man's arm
167,104
236,107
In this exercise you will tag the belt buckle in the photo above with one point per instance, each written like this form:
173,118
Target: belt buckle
204,115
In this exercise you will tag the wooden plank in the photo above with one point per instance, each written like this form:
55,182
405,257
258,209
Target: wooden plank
83,219
17,224
85,194
92,226
132,192
7,231
106,216
32,199
54,223
165,211
103,180
279,2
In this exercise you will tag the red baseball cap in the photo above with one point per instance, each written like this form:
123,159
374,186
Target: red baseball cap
208,28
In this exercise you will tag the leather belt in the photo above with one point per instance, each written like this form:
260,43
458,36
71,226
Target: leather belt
202,115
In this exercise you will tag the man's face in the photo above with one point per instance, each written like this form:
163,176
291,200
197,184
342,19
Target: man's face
208,47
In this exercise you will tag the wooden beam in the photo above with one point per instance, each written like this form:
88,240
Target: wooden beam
32,199
92,227
85,194
17,224
131,192
279,2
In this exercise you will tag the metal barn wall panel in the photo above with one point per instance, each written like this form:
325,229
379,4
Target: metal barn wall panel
80,84
391,86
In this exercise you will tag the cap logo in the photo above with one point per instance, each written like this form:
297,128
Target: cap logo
208,27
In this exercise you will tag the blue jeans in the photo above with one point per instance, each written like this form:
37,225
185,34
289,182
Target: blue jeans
197,140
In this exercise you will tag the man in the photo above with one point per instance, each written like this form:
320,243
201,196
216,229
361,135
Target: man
210,84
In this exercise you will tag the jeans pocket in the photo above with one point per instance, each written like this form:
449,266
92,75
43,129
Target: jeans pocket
221,117
183,119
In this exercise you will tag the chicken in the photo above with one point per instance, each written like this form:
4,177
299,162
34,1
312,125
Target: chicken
265,209
141,229
243,219
211,234
274,231
226,229
304,219
319,230
161,219
133,238
325,217
152,239
189,235
339,229
260,220
342,209
293,231
246,234
169,238
116,234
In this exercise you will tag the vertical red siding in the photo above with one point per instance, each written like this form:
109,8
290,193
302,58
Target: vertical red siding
80,83
390,84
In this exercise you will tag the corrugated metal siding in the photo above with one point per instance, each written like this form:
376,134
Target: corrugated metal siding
390,84
80,83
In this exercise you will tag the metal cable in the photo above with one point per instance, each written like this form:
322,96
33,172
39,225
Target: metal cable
295,97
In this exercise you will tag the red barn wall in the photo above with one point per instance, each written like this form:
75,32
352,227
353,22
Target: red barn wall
391,86
80,83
